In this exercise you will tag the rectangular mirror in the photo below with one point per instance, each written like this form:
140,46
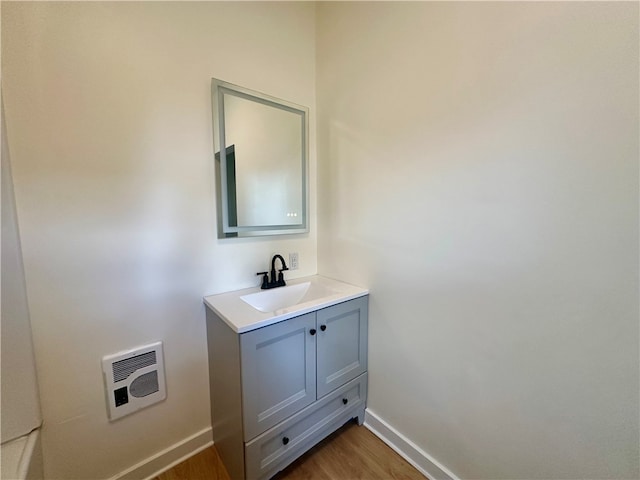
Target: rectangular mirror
261,146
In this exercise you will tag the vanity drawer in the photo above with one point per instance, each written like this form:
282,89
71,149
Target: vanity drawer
277,447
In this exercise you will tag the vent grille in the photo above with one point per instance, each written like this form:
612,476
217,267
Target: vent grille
123,368
144,385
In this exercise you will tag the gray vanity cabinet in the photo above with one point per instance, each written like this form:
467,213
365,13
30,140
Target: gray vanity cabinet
278,372
341,344
278,390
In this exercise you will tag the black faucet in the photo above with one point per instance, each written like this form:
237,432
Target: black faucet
274,282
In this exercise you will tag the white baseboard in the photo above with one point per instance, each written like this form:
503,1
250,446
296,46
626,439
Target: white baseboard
425,463
169,457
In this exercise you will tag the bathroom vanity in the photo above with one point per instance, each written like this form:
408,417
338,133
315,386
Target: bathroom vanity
283,380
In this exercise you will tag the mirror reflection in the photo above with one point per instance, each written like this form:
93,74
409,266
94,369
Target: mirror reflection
261,158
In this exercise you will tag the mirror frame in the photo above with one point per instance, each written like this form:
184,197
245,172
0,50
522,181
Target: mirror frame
218,89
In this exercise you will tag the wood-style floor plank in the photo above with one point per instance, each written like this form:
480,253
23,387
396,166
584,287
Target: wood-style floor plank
204,465
351,453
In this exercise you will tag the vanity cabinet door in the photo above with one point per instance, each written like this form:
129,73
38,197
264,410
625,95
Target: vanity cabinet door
341,344
278,372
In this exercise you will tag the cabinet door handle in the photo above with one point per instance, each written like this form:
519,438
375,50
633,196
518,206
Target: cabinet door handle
285,440
345,400
323,327
312,331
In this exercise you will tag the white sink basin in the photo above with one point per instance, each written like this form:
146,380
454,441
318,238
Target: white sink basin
285,297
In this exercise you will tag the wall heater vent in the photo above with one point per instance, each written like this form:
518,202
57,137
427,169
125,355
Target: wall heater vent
134,379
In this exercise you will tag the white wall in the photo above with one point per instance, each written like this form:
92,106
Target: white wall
19,398
478,170
109,123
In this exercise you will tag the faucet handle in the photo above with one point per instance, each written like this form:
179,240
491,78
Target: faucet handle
265,279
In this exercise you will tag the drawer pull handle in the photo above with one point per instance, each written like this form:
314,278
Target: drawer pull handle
345,400
323,327
285,440
312,331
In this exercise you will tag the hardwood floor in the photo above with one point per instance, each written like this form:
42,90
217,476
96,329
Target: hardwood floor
204,465
353,452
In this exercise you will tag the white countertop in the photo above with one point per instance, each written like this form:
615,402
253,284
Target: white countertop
242,317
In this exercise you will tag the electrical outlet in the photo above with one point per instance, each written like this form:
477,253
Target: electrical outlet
293,261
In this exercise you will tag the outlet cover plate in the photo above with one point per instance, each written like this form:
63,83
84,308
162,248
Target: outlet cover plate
293,261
